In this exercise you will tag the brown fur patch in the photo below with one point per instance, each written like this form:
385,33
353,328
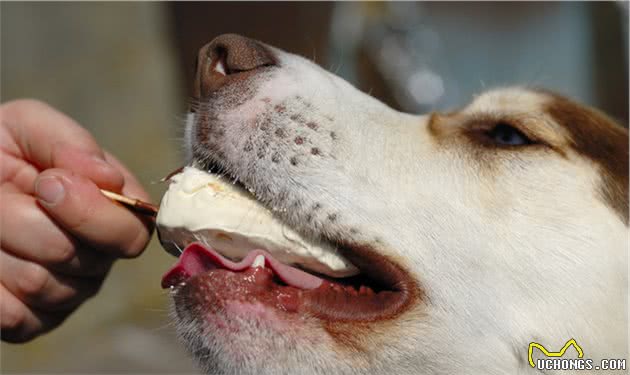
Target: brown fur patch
349,336
433,126
597,137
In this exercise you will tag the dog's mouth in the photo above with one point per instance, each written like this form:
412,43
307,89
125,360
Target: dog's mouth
376,293
377,288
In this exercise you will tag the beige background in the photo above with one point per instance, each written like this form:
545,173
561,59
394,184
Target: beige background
112,68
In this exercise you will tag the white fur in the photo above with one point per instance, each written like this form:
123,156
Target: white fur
516,252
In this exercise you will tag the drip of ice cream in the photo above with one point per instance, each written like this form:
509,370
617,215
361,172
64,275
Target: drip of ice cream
206,208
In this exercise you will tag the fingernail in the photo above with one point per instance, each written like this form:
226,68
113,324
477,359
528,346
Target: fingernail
50,190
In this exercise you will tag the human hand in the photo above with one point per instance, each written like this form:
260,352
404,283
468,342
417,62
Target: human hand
59,235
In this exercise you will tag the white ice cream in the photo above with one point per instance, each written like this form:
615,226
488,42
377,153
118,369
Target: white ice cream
204,207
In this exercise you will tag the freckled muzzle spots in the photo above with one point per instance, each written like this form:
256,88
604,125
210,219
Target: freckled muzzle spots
280,133
285,133
269,139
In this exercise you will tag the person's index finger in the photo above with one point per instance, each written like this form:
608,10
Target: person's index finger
103,173
38,129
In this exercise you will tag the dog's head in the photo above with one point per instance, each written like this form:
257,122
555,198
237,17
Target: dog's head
484,229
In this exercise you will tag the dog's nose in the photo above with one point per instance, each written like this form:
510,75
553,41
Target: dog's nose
226,58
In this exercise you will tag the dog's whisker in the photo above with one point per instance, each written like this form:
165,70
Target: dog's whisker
178,248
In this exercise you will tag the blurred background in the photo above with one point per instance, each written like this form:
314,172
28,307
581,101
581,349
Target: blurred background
124,70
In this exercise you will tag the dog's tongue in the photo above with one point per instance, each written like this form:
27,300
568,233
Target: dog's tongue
197,259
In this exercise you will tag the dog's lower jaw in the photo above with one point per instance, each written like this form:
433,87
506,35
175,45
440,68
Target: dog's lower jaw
257,348
261,349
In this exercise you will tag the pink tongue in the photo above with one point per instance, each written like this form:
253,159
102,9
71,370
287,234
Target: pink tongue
197,259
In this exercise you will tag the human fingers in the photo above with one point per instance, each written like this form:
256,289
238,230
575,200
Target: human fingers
31,234
19,322
79,207
38,287
48,138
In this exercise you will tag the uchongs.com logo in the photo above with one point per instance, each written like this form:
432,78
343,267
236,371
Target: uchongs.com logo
554,360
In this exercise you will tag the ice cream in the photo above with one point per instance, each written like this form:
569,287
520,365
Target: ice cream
206,208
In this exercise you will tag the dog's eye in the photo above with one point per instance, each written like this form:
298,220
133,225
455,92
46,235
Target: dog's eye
506,135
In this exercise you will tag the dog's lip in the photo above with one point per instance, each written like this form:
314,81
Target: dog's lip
328,299
397,290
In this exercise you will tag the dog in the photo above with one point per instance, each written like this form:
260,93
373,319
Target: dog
476,231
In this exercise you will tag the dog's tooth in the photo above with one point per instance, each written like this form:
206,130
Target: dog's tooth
259,261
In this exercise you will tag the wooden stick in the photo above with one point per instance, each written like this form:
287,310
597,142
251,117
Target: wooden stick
134,204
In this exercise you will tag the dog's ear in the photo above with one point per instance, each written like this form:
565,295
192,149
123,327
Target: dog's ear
597,137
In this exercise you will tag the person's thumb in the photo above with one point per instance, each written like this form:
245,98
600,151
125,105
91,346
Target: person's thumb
78,206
